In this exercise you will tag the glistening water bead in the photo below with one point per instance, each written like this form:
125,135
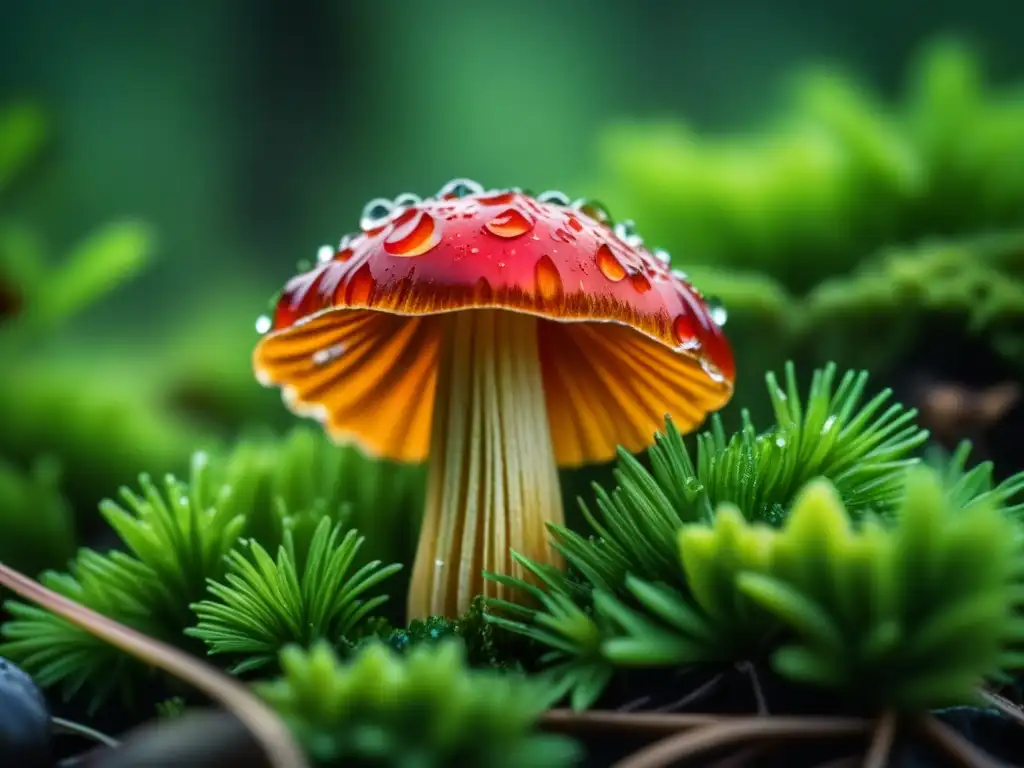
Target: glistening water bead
375,213
553,197
594,210
460,188
719,314
262,324
406,200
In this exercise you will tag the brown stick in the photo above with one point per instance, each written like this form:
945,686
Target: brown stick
881,742
735,731
963,752
569,721
265,726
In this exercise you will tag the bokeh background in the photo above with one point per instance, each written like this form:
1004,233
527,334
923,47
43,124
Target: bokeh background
848,178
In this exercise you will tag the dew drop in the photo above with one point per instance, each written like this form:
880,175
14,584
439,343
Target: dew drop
324,253
662,255
626,232
360,287
553,197
549,282
324,356
460,188
719,314
678,274
415,233
262,324
406,200
509,223
685,332
610,266
574,224
375,214
640,283
562,235
594,210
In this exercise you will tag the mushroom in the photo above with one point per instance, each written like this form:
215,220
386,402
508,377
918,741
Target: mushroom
501,336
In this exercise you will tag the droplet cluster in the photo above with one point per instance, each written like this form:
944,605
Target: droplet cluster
584,239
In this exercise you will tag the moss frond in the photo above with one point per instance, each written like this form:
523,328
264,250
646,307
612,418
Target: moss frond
264,604
424,708
181,535
62,655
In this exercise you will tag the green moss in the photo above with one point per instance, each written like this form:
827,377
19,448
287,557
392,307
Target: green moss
36,525
683,560
421,709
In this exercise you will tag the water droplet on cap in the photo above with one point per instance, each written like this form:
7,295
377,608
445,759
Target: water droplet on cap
719,314
640,283
554,197
662,255
593,209
685,332
509,223
325,253
415,233
549,282
610,266
626,232
406,200
678,274
324,356
262,324
375,213
460,188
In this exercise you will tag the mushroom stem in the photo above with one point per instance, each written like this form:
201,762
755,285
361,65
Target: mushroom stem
493,481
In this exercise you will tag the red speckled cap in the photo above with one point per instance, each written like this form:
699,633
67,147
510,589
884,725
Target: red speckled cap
355,341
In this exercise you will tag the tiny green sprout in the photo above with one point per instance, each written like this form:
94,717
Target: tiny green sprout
424,709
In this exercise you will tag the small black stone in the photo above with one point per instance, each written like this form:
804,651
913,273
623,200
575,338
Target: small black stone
24,720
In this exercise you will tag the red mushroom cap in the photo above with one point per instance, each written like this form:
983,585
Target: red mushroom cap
350,338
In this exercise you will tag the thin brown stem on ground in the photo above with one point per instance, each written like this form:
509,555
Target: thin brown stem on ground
955,746
695,695
658,723
736,732
881,741
747,668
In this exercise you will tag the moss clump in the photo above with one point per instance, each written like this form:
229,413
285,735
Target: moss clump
420,709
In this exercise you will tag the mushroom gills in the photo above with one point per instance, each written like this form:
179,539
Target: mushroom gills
493,481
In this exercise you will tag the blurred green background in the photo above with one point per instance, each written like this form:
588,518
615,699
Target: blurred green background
848,178
248,133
